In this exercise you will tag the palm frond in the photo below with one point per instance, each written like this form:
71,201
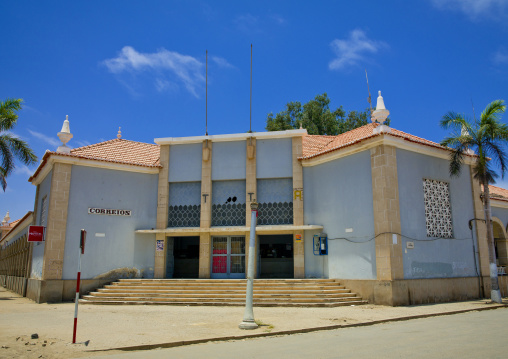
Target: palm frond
8,115
3,182
494,150
493,111
453,120
6,156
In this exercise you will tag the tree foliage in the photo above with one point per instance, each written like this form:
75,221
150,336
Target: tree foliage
316,117
487,139
11,147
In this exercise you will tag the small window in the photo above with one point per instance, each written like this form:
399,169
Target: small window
438,213
43,219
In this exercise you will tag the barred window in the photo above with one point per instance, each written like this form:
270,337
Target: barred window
438,214
43,219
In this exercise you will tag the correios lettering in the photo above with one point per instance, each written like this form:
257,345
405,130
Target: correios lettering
110,212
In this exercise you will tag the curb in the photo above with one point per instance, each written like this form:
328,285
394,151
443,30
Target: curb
295,331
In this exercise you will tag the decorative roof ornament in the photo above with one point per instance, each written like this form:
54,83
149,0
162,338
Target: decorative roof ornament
119,134
65,136
6,219
465,132
380,115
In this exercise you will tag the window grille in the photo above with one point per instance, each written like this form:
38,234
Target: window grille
438,214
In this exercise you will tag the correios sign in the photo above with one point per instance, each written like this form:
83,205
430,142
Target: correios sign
36,233
110,212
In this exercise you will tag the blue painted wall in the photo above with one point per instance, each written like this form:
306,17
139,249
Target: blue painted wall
436,258
121,247
38,248
338,195
185,162
274,158
229,160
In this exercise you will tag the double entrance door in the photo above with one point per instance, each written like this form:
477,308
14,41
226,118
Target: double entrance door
228,257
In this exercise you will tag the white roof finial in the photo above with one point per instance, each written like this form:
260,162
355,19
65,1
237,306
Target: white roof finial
119,135
381,113
65,136
6,219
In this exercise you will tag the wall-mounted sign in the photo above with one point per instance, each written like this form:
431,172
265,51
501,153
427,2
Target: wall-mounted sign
36,233
160,245
298,194
110,212
298,237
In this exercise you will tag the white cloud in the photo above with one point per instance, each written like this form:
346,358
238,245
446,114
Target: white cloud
23,170
186,69
46,139
501,57
278,19
474,8
221,62
353,51
82,143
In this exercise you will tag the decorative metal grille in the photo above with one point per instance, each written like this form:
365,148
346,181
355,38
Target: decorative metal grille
228,214
228,203
44,212
184,204
275,213
184,216
438,214
275,197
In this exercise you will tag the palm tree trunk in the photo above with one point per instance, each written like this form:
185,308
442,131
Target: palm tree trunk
495,293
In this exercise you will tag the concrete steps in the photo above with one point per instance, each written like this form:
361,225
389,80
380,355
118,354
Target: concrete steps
267,292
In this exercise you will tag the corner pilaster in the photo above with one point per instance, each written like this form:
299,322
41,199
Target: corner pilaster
162,213
298,195
481,229
54,247
385,189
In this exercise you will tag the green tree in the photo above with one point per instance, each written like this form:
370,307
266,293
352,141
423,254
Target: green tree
11,147
487,138
317,117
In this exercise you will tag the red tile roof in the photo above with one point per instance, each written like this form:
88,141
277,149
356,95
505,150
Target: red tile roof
315,145
115,151
498,193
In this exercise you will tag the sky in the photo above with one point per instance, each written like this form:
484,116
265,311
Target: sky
140,65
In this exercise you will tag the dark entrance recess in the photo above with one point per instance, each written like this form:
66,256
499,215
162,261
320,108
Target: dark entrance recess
276,256
185,257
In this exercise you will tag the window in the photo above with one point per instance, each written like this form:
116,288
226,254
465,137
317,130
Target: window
438,214
43,219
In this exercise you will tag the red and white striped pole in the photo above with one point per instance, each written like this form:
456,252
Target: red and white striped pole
81,251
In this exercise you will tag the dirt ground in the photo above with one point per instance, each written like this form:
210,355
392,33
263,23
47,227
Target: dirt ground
110,327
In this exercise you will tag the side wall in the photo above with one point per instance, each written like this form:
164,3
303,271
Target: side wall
112,248
338,195
430,257
38,248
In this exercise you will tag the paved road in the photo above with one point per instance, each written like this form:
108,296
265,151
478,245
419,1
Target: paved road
470,335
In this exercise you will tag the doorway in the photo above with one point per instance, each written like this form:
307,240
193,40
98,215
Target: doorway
228,257
184,253
276,256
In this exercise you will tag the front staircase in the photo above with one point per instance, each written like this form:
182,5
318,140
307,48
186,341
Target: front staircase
267,292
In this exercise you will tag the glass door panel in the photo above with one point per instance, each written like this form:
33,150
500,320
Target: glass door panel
228,257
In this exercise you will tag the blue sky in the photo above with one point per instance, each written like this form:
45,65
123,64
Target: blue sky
141,66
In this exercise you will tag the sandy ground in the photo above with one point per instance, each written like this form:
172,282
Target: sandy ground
112,327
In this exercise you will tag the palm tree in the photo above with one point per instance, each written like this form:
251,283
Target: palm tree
11,147
486,139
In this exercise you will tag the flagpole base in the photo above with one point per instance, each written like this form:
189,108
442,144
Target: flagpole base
246,324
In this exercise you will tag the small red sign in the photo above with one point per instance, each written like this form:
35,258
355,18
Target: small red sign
36,233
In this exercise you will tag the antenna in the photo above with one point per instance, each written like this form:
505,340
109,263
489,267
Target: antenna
368,89
472,104
206,96
250,114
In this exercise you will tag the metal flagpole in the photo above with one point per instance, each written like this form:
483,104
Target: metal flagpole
248,317
82,239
